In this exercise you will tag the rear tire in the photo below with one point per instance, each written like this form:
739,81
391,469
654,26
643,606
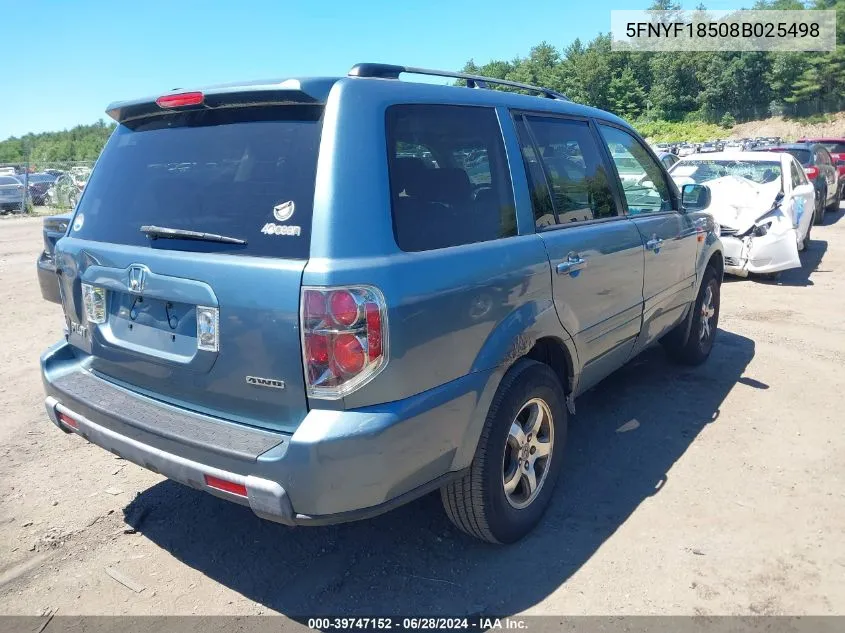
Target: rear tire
834,205
485,502
818,213
695,348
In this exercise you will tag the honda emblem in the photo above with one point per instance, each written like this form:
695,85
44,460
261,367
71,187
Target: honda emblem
137,278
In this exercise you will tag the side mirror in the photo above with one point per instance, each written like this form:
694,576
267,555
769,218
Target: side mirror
695,197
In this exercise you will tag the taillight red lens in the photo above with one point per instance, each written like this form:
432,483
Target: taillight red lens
314,306
344,338
318,349
343,307
348,354
180,100
373,331
811,172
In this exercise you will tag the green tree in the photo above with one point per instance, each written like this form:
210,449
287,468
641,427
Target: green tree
625,96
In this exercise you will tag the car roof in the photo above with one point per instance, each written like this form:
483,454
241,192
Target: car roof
822,139
786,146
316,90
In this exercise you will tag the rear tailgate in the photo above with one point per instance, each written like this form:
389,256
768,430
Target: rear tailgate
209,326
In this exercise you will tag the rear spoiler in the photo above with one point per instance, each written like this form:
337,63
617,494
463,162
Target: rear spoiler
289,92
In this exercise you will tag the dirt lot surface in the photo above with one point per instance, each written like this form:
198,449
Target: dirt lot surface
728,497
790,129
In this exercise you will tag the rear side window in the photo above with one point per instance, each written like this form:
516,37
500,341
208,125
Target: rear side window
449,179
246,173
565,154
798,176
823,157
804,156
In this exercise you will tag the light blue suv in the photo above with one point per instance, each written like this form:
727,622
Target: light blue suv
322,298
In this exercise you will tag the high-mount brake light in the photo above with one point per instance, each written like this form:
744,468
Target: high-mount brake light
344,338
180,100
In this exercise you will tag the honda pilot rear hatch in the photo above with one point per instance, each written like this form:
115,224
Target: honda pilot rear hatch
180,275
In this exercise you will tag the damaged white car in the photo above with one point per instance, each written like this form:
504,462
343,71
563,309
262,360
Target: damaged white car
762,202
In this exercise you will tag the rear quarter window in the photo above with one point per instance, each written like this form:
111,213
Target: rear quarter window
247,173
804,156
449,178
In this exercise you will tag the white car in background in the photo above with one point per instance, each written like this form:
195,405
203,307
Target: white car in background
762,202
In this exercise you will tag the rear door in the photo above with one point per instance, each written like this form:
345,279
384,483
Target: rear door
596,254
829,172
799,196
188,321
669,236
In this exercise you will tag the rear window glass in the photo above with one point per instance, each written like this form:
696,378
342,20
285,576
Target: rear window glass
245,173
8,180
804,156
835,148
449,178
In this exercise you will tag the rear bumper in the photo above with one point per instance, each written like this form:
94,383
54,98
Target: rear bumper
47,279
338,466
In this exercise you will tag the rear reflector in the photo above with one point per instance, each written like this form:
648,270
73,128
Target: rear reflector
179,100
68,421
226,486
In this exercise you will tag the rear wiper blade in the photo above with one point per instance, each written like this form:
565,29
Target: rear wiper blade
164,232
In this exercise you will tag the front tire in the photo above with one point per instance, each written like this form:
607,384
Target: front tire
519,455
702,330
805,244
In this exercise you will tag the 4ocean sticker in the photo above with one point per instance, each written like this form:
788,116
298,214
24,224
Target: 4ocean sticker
282,212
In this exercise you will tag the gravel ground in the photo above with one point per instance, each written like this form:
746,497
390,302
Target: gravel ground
726,498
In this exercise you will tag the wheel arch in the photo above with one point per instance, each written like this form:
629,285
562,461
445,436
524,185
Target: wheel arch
545,341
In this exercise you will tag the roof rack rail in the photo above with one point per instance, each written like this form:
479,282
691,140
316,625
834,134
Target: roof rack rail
391,71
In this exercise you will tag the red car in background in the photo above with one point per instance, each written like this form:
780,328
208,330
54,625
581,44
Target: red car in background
836,147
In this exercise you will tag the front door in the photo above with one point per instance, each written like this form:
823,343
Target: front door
669,236
596,254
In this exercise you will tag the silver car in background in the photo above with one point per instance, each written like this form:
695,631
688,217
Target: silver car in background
12,195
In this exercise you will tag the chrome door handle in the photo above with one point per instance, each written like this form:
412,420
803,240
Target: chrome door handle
572,266
654,244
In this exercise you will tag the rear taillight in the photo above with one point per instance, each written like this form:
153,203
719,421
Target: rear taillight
94,300
344,338
811,172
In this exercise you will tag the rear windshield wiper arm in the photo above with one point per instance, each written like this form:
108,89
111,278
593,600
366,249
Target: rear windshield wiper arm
164,232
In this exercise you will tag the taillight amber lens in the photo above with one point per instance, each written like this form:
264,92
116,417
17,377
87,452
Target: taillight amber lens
344,338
